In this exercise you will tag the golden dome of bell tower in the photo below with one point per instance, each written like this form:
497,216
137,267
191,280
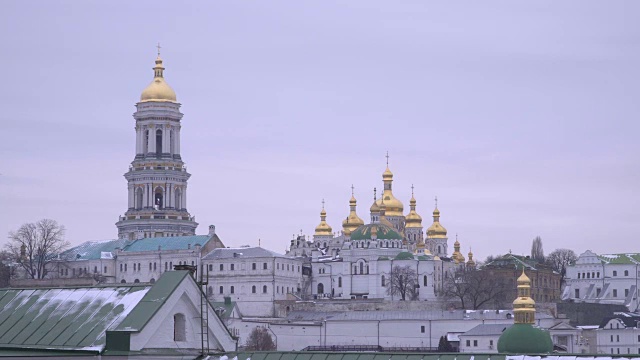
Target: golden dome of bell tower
158,90
524,306
353,221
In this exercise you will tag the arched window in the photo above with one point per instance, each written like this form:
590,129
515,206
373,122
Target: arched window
139,193
221,289
146,141
339,281
179,328
264,289
158,142
232,290
210,291
136,281
424,280
588,275
383,283
439,250
355,270
578,275
152,280
320,288
253,289
178,196
158,197
150,266
626,273
171,146
123,281
361,268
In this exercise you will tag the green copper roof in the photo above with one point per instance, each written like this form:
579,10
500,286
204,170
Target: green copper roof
64,318
525,339
631,259
152,301
93,250
382,232
167,243
404,256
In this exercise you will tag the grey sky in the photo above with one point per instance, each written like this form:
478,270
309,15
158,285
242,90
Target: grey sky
522,117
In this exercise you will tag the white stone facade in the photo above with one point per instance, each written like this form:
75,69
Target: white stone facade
609,279
253,278
619,335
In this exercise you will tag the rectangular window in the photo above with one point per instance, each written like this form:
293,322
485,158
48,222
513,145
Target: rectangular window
617,338
125,267
232,289
490,342
615,273
475,343
221,267
253,266
221,289
577,294
210,267
468,342
611,338
615,292
95,269
232,266
105,269
422,329
264,266
626,292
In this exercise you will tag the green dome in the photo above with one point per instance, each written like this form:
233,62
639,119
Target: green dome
525,339
404,256
382,232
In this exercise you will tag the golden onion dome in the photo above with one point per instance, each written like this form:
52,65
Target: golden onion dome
323,229
353,221
523,279
470,262
413,220
436,230
394,206
158,90
525,302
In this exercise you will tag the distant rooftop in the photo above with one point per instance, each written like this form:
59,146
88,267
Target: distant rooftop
401,315
93,250
244,252
487,330
166,243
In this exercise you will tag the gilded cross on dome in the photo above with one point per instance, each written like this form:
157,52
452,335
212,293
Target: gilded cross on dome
158,49
387,156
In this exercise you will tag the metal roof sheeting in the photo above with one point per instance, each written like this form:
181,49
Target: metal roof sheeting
64,318
167,243
244,252
400,315
355,356
92,250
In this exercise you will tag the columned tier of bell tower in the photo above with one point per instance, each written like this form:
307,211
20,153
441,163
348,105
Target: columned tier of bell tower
157,177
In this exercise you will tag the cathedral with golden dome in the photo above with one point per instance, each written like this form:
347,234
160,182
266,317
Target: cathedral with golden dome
357,261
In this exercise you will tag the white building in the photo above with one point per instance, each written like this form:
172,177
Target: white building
609,278
619,334
482,338
359,263
253,278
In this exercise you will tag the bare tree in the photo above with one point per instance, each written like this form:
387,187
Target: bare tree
537,253
34,245
403,282
475,288
559,259
260,340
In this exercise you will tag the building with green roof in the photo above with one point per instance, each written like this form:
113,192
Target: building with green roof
604,279
163,319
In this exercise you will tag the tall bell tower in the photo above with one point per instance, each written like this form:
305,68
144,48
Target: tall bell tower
157,177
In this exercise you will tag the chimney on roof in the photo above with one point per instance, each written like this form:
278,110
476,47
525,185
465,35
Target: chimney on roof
188,246
139,234
212,230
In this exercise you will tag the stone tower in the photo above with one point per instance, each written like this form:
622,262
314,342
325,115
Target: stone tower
157,177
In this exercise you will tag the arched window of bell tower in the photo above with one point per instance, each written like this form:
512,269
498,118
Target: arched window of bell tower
158,142
139,197
158,198
439,250
178,204
146,141
172,148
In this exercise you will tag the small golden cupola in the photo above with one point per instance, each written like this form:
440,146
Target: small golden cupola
158,90
323,229
471,262
374,209
436,230
413,220
394,206
383,215
524,306
353,221
457,255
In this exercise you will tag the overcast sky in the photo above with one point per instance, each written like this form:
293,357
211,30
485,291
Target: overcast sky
522,117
